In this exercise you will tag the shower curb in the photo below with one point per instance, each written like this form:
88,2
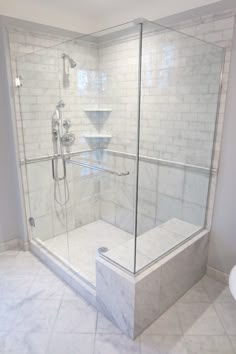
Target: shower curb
70,277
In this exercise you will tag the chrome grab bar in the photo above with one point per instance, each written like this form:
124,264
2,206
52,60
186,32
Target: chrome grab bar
50,157
55,175
97,168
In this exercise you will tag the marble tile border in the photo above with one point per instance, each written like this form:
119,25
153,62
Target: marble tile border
132,303
64,272
9,245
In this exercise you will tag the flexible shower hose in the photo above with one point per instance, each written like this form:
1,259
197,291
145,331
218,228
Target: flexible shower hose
57,183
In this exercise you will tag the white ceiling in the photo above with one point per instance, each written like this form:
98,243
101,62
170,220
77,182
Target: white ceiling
87,16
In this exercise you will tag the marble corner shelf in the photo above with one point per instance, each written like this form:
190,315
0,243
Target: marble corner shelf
94,110
97,136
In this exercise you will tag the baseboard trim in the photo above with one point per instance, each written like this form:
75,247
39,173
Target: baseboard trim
218,275
9,245
24,245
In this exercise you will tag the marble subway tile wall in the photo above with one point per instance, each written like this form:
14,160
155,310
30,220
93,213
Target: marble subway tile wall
178,75
42,75
181,78
119,59
180,85
165,192
37,91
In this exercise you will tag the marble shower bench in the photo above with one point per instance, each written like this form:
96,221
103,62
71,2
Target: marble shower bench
133,302
152,244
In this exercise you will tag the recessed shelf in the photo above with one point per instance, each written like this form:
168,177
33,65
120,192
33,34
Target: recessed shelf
97,136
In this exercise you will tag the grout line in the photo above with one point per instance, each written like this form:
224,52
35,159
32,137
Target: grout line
205,290
95,334
231,343
221,321
178,318
53,326
218,316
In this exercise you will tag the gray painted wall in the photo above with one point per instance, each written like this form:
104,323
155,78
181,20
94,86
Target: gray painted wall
222,252
10,224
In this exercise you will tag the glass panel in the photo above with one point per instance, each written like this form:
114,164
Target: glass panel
180,87
100,96
80,100
38,98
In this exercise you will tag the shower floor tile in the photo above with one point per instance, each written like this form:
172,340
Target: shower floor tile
80,246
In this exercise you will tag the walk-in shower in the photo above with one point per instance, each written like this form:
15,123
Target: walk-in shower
124,163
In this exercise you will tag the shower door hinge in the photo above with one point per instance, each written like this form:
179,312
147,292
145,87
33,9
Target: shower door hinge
18,81
32,221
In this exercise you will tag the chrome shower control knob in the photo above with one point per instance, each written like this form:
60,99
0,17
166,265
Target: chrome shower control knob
66,124
68,139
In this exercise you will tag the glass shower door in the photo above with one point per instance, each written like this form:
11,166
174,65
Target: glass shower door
100,92
43,175
90,85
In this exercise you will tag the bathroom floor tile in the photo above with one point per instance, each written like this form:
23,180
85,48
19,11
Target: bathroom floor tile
47,287
8,312
216,291
233,341
71,343
45,319
196,294
26,343
227,314
70,294
6,265
115,344
36,315
3,337
208,344
104,326
76,316
10,253
199,319
15,286
156,344
25,264
167,324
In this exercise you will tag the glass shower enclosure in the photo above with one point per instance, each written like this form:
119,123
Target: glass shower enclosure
116,136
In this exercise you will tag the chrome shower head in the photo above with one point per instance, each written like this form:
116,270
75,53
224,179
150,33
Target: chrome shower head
60,104
71,61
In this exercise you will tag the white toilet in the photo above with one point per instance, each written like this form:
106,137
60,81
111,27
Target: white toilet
232,282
